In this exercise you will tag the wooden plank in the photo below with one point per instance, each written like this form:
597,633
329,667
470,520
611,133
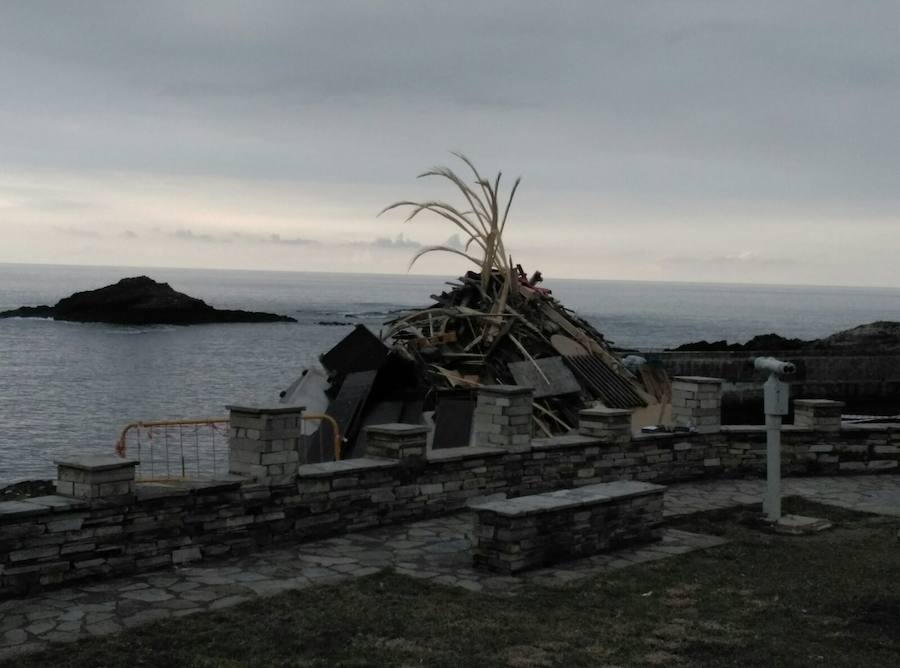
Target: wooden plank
347,406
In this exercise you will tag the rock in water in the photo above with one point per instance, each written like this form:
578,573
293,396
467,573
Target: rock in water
139,301
42,311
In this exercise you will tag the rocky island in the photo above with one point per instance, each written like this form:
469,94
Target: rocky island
139,301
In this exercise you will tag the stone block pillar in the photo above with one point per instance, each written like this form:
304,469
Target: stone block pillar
396,441
610,425
94,477
818,414
697,403
503,416
263,442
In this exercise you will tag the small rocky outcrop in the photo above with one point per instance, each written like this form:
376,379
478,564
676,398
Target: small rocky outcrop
760,343
881,336
29,312
139,301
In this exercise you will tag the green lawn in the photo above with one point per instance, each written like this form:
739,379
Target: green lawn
762,600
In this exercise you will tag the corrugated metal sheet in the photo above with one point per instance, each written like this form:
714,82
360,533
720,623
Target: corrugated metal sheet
603,382
554,378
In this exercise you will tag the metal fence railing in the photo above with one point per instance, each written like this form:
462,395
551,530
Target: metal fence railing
177,448
198,448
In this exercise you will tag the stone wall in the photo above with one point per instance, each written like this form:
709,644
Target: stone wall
56,539
59,539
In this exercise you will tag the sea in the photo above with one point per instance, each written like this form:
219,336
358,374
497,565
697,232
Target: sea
69,388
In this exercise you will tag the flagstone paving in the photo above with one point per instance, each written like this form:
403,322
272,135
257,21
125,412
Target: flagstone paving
868,493
436,550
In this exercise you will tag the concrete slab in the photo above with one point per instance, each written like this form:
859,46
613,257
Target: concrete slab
800,525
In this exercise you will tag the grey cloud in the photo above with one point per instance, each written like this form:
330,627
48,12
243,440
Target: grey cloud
276,239
52,203
740,258
75,231
788,107
129,234
291,241
44,199
186,234
676,101
398,242
455,242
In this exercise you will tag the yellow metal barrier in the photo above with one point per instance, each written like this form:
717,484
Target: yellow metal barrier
172,450
121,443
216,424
336,430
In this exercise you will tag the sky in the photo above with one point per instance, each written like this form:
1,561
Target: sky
656,140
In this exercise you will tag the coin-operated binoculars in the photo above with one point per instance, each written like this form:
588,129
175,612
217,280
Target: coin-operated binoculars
776,394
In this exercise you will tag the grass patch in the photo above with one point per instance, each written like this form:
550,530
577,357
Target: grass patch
832,599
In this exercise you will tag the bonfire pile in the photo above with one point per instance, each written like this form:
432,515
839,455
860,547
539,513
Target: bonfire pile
511,331
495,325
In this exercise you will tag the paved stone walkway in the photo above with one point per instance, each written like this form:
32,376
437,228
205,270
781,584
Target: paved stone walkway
870,493
436,550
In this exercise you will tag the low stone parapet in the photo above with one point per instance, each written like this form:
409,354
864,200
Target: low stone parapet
96,477
264,442
697,403
818,414
503,416
533,531
396,441
610,425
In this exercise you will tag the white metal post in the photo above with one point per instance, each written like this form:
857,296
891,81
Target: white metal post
772,502
775,400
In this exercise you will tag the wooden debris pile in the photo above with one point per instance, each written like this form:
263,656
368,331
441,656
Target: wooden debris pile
509,330
494,326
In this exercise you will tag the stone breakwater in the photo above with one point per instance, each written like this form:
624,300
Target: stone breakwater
59,539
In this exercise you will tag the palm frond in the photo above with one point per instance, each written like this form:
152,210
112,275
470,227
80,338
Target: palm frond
512,193
481,212
478,180
481,223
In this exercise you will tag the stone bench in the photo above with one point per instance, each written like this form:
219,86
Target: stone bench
532,531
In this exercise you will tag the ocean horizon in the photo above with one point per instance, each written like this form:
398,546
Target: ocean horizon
419,274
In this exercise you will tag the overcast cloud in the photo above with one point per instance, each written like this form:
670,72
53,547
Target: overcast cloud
656,140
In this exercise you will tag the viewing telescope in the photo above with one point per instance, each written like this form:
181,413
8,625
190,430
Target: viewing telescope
773,365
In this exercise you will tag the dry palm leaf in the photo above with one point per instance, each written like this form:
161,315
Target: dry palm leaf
482,223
